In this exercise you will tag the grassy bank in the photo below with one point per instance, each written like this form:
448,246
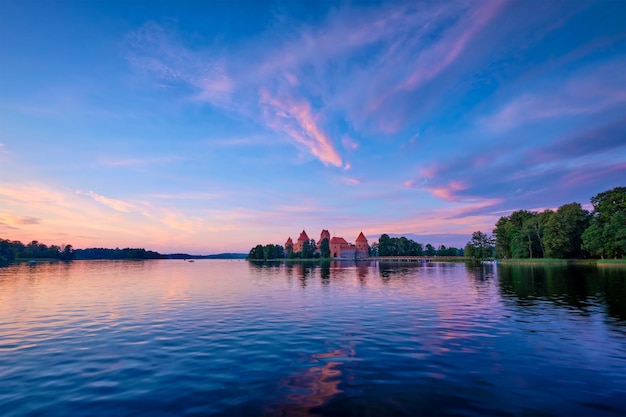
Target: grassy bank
611,262
552,261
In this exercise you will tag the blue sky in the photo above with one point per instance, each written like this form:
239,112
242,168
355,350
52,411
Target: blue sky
213,126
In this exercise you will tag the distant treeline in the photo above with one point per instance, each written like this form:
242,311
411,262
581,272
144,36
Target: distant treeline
10,250
115,254
15,250
401,246
228,255
567,233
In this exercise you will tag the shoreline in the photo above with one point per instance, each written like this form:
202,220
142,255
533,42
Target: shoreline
550,261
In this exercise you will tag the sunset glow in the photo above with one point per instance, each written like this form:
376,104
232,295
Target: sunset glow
211,127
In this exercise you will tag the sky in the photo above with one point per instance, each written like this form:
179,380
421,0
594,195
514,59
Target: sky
212,126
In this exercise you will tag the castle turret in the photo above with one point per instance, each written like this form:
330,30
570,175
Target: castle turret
288,247
303,238
324,235
362,247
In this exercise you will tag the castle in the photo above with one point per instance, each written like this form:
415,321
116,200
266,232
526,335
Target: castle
339,247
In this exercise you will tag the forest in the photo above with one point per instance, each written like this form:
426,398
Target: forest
10,251
569,232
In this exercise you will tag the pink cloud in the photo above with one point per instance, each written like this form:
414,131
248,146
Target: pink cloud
434,59
448,191
297,66
350,181
13,220
446,51
295,118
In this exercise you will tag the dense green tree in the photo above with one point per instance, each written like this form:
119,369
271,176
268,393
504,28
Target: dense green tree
564,230
519,235
67,253
256,252
7,252
325,248
502,233
265,252
308,249
402,246
606,235
385,245
523,241
480,247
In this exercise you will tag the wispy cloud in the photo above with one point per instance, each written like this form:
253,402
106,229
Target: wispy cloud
588,91
576,163
350,181
185,196
13,221
117,161
110,202
435,57
300,78
297,120
155,50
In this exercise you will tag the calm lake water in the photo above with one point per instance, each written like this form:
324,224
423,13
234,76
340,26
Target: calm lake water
170,338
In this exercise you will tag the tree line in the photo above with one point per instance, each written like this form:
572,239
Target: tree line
265,252
401,246
117,254
566,233
10,251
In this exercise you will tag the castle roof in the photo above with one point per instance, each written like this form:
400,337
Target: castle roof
338,240
289,242
325,234
303,237
361,238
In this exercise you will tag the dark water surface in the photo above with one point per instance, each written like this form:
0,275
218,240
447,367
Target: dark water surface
170,338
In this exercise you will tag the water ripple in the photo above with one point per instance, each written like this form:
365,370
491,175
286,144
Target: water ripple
165,338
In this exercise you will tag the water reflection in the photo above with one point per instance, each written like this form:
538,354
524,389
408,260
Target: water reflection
314,387
324,270
580,288
334,338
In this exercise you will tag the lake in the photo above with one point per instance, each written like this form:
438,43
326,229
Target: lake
232,338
